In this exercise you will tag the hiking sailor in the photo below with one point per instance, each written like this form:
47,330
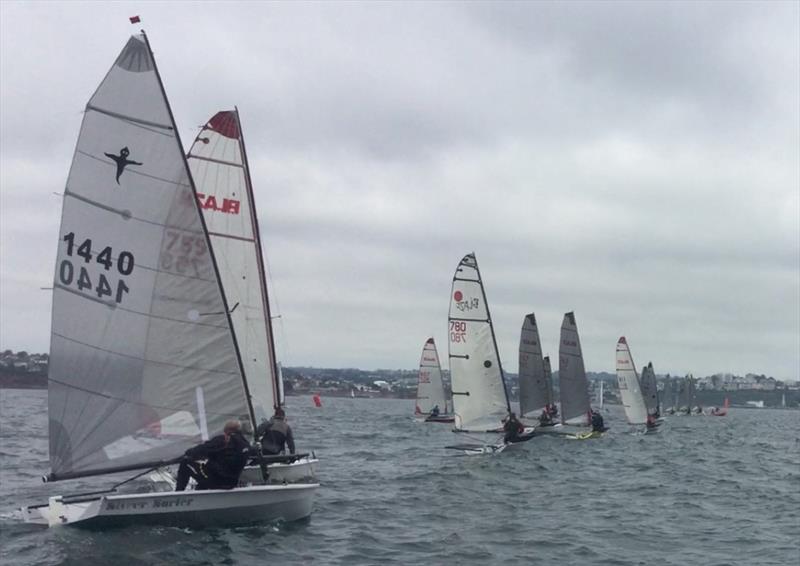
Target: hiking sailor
225,457
512,428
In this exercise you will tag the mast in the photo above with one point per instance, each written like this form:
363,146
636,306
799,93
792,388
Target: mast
276,387
207,240
491,329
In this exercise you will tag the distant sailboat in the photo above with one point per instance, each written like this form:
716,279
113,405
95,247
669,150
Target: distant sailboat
630,388
431,402
535,390
601,395
480,399
721,412
574,386
650,391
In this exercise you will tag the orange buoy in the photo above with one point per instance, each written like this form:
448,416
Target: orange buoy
317,400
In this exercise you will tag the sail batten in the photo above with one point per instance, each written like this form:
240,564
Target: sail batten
128,118
123,381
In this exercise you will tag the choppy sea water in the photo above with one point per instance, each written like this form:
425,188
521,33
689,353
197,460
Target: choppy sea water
710,491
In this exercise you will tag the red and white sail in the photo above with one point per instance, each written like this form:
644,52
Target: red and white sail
629,387
430,387
218,163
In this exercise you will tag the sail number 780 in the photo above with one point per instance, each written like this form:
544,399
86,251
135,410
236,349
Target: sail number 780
458,331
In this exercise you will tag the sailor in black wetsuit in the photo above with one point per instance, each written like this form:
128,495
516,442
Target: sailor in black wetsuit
597,422
512,428
225,457
275,434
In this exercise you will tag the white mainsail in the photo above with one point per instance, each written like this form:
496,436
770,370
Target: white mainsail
572,380
142,354
430,387
533,387
219,166
629,388
480,400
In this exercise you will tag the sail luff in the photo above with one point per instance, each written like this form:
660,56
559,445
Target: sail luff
207,238
276,387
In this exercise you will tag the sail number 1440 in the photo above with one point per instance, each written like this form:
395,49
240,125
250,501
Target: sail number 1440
70,274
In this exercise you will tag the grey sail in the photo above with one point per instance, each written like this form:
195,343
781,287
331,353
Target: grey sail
548,378
686,397
143,362
666,394
533,387
649,389
572,375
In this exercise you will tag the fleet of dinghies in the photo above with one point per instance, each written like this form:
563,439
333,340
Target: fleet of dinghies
162,331
431,402
148,356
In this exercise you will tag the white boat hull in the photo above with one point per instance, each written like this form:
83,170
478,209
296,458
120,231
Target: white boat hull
217,507
303,469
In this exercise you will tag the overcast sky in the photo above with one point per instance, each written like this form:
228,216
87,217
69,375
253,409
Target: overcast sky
634,162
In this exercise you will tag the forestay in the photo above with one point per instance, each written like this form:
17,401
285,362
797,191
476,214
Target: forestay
650,389
218,163
533,388
480,400
143,363
628,383
571,375
430,388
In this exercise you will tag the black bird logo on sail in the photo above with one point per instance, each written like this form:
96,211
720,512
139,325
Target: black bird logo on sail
122,161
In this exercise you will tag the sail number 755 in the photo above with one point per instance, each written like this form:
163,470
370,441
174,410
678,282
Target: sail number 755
458,331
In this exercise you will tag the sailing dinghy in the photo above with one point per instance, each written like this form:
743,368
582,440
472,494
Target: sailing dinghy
630,388
144,360
430,388
535,382
221,172
480,399
574,386
650,392
715,412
